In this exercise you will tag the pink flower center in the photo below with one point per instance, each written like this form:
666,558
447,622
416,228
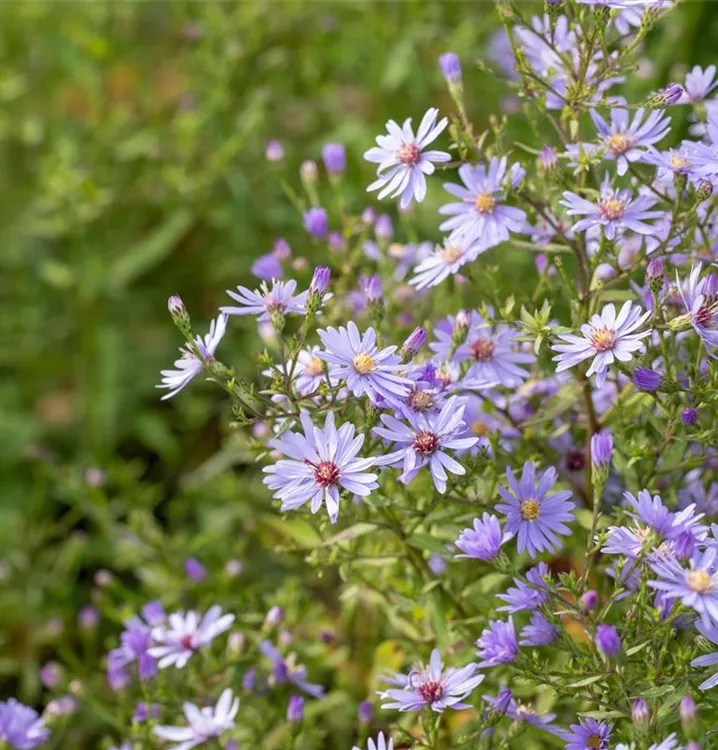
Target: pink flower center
619,143
483,350
485,203
431,690
409,154
612,208
420,401
425,442
706,312
603,339
326,473
186,642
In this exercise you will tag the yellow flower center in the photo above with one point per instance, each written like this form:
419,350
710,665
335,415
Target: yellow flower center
485,203
620,143
603,339
594,741
678,162
314,367
523,710
479,428
364,364
452,253
612,209
700,581
530,510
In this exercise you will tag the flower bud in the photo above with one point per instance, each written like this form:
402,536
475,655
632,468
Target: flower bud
655,276
295,708
368,216
274,617
88,617
666,96
451,68
365,713
601,450
373,291
316,222
639,711
337,243
589,600
689,416
704,191
461,327
414,342
308,173
234,568
320,281
684,545
274,152
179,314
383,228
334,158
194,569
607,640
235,643
687,710
51,675
548,159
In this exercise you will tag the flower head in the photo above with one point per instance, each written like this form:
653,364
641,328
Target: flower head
532,513
334,158
321,463
588,734
540,632
21,726
432,687
606,338
445,261
402,161
699,83
497,644
266,301
380,744
316,221
700,297
607,640
529,595
287,670
204,723
190,365
484,541
708,660
450,67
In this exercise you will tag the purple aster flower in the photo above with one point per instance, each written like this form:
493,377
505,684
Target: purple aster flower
671,743
497,644
601,449
402,161
334,157
144,711
135,642
445,261
606,338
484,541
522,712
316,222
689,416
707,660
540,632
699,83
380,744
700,297
589,600
295,708
607,640
185,633
425,440
205,723
696,586
190,365
365,713
534,515
527,596
432,686
367,369
647,380
263,302
625,139
194,569
671,163
481,216
321,463
20,726
267,267
450,67
615,211
588,734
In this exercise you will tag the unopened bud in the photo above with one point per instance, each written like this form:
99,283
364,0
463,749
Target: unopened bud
655,277
179,314
589,600
308,173
639,711
704,191
275,152
414,342
667,96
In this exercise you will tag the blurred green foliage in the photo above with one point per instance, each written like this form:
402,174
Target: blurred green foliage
132,167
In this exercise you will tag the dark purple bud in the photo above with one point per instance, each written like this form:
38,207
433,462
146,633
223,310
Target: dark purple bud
689,416
249,680
334,158
687,709
144,711
326,636
451,68
503,701
383,228
646,379
414,342
365,713
655,276
607,640
589,600
295,708
639,711
320,280
275,152
316,222
194,569
373,290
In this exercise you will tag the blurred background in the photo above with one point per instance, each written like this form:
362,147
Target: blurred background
132,167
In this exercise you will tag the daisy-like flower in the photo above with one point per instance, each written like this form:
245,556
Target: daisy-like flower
671,163
321,463
21,726
540,632
523,712
135,642
424,442
527,596
497,644
185,633
696,586
380,744
606,338
432,687
625,139
484,541
190,365
708,660
265,301
287,670
532,513
402,161
616,210
700,298
205,723
445,261
481,216
367,369
699,83
588,733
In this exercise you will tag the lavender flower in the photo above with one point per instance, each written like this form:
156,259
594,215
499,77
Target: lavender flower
450,67
381,743
402,161
190,365
540,632
497,644
425,440
647,380
414,342
700,297
334,158
433,687
484,541
481,215
615,211
367,369
445,261
608,641
20,726
699,83
533,514
696,587
321,463
194,569
689,416
185,633
135,642
286,670
708,660
625,139
264,302
316,222
267,267
527,596
295,708
522,712
204,723
601,449
589,733
275,151
606,338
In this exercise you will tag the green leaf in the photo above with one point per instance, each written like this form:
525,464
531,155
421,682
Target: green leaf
353,532
426,542
586,681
